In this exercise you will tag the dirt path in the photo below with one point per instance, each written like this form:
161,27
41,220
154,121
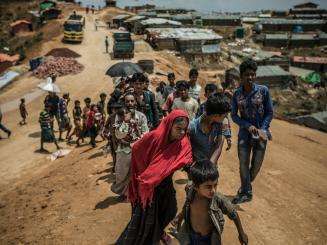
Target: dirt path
69,200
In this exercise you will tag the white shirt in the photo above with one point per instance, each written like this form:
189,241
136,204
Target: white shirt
194,92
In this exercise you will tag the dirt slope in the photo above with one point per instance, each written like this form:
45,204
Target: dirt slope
69,200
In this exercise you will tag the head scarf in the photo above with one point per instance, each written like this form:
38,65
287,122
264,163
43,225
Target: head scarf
154,158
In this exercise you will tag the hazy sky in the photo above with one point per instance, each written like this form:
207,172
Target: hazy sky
214,5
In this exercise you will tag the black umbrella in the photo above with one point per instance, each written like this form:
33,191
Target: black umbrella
123,69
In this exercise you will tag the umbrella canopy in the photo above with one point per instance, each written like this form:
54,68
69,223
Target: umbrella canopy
123,69
49,86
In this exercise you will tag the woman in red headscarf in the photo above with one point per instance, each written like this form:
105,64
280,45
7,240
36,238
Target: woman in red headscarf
155,158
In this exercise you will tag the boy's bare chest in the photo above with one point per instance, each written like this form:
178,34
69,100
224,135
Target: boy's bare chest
200,218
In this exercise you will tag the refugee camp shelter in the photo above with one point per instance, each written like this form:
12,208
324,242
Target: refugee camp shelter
221,20
307,9
288,25
307,5
140,8
250,20
322,38
149,14
303,40
264,58
279,13
118,20
130,23
318,64
156,23
185,40
276,40
273,76
20,26
171,11
185,19
7,61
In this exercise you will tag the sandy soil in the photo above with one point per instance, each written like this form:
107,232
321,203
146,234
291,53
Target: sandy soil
69,201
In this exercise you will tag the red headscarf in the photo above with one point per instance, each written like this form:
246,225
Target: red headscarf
154,159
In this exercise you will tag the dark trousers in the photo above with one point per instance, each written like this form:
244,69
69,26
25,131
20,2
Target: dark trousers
3,128
93,134
250,164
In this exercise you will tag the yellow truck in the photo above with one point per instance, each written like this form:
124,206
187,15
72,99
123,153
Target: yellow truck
74,28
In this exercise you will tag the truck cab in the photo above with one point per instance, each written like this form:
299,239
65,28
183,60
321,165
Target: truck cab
123,46
73,28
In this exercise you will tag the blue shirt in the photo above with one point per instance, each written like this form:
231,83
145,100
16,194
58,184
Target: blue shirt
254,108
203,145
226,132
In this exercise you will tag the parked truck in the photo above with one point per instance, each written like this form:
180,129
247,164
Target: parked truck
123,46
74,28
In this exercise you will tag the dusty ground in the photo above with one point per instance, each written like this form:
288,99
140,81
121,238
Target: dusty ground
68,201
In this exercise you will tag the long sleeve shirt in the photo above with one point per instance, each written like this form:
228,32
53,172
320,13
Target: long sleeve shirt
252,109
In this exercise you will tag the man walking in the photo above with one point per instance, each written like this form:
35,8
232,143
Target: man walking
106,42
254,105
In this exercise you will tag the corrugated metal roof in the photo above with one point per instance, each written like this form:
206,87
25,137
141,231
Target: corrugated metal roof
182,17
303,37
160,21
148,13
250,19
121,17
135,18
221,17
271,71
276,36
277,21
307,59
185,33
165,16
299,72
323,35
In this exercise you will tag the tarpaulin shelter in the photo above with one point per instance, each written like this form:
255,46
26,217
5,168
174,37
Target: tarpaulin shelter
47,5
312,78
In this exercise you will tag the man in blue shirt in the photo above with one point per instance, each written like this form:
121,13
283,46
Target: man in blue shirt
206,131
252,111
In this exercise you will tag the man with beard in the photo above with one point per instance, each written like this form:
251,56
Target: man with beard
130,125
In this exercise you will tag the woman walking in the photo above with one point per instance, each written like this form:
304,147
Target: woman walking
155,158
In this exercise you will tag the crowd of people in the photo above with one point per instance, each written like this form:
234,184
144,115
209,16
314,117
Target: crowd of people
153,134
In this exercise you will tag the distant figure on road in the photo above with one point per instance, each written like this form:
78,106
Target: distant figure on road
87,9
254,105
2,127
23,111
106,42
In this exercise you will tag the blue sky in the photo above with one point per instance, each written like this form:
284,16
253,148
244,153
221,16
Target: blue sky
215,5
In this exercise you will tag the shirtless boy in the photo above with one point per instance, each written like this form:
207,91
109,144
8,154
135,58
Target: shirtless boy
204,209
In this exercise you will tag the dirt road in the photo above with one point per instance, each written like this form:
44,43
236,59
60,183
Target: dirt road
69,200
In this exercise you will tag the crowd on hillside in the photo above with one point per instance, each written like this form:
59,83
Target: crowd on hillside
153,134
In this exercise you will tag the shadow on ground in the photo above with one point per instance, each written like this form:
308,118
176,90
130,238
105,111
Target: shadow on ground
95,155
35,135
109,201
